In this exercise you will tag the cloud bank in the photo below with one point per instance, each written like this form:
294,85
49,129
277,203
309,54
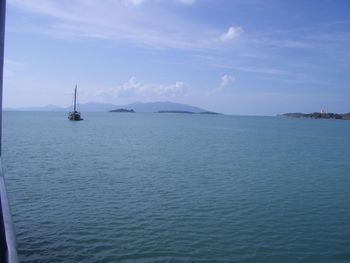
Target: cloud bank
135,89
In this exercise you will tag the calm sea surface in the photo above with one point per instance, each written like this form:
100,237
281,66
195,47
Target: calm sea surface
178,188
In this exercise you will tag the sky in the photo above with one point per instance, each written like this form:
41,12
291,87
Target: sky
245,57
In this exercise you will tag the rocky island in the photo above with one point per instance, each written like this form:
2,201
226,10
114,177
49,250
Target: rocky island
318,115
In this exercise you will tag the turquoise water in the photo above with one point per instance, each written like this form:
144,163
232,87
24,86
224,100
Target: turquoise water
178,188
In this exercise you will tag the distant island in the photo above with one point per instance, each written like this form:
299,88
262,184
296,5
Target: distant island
210,113
123,110
318,115
188,112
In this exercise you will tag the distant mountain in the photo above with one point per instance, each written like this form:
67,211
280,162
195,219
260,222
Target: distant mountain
176,111
94,107
189,112
139,107
162,106
42,108
104,107
84,107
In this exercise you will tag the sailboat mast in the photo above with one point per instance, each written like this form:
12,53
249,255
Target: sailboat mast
75,98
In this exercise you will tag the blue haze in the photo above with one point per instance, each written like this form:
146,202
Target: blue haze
178,188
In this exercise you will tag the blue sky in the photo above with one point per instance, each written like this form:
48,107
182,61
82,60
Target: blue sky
251,57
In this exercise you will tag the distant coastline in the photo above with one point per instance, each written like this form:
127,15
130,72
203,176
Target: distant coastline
188,112
123,110
318,115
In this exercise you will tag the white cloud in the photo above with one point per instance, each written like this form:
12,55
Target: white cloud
133,2
179,88
232,33
135,89
226,80
187,2
130,88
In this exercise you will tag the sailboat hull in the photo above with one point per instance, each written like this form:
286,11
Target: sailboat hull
74,116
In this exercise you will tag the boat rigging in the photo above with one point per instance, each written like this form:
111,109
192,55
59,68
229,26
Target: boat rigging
75,115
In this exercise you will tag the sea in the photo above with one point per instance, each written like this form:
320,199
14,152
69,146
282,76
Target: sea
152,187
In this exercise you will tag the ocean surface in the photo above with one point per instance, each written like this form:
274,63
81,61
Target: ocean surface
121,187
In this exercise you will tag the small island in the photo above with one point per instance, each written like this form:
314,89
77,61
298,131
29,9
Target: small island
123,110
318,115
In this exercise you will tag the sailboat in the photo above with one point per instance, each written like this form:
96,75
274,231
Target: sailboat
75,115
